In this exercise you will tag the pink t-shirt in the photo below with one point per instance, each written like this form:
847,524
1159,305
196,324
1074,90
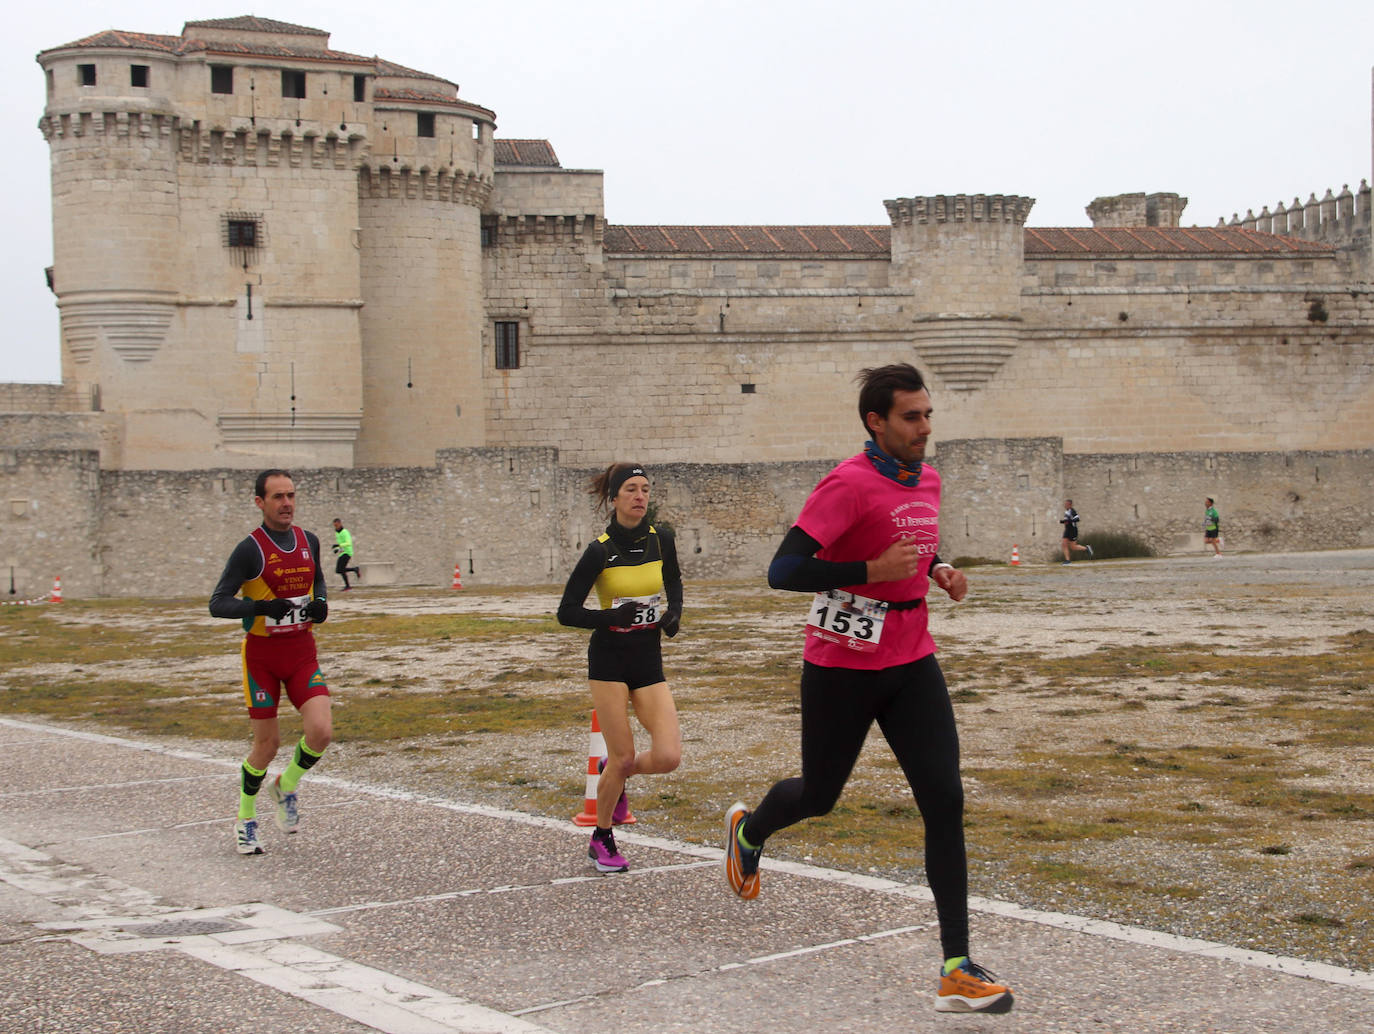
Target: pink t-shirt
855,513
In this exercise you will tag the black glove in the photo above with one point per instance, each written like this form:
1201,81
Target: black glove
623,616
317,610
672,618
274,609
336,550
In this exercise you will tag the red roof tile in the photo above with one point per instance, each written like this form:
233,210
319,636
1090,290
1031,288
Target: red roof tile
252,23
1040,241
750,240
1066,242
525,152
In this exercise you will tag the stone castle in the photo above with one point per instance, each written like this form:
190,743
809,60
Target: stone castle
271,253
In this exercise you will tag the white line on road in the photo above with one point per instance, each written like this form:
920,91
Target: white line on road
880,885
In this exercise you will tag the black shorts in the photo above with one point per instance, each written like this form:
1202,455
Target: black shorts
1071,533
634,658
1211,535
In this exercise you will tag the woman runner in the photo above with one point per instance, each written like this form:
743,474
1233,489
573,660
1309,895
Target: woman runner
633,568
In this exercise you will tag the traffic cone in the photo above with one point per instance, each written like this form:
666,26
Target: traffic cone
57,589
457,576
596,750
1015,555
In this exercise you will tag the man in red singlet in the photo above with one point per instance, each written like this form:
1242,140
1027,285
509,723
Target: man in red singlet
274,584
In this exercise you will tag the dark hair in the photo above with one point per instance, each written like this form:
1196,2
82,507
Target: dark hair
1209,500
260,486
878,385
604,486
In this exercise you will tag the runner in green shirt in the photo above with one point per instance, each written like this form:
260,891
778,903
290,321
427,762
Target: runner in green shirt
343,548
1211,529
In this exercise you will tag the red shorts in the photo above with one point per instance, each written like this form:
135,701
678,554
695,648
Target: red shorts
270,662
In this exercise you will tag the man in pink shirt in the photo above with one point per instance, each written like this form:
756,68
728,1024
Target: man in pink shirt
865,544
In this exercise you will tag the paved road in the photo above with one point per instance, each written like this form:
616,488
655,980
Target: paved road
124,908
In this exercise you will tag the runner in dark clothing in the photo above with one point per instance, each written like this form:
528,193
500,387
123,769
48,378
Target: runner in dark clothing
633,568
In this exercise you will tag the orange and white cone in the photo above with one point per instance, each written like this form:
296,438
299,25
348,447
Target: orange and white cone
57,589
1015,555
596,750
457,576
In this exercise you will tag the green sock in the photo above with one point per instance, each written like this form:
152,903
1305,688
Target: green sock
248,791
301,761
951,964
739,835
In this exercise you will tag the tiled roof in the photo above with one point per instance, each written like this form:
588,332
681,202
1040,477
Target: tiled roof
750,240
395,71
119,39
252,23
1040,242
115,38
1069,242
525,152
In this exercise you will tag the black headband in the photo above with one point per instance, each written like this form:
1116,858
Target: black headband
621,475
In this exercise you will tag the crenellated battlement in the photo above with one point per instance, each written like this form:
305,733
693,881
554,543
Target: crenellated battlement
960,208
1334,218
589,229
198,143
383,182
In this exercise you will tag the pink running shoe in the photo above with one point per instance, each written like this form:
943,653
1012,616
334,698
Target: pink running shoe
604,855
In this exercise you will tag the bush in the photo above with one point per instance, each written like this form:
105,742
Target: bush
1108,545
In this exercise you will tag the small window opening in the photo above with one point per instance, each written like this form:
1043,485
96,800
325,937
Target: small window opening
243,233
360,87
477,131
292,83
488,236
51,83
424,123
138,75
85,75
746,389
221,78
507,346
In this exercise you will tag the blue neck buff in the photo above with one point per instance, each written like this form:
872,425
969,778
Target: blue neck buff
890,468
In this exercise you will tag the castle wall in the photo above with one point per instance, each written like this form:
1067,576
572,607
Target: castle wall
521,516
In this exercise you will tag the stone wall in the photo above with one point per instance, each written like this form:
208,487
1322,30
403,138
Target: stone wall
520,516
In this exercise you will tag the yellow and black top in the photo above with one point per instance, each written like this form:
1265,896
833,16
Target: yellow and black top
625,565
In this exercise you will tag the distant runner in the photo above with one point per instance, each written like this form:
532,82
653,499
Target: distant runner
343,549
1211,528
1070,539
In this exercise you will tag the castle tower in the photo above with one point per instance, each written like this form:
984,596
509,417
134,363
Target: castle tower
419,216
962,256
221,226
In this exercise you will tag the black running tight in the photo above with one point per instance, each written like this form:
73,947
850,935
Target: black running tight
911,705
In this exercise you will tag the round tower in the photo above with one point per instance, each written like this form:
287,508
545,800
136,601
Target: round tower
110,127
419,209
963,257
204,236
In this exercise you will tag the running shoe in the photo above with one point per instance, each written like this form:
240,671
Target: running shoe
741,863
1089,549
622,806
602,851
246,836
288,815
971,988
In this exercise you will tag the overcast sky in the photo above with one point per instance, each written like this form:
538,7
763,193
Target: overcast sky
706,112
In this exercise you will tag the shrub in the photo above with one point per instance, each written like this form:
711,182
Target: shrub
1109,545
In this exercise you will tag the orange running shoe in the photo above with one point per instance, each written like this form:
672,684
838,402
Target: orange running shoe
741,864
971,988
